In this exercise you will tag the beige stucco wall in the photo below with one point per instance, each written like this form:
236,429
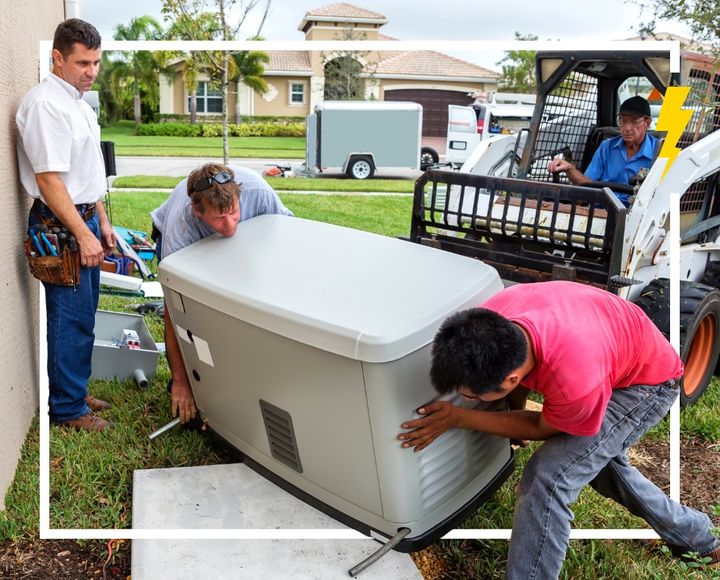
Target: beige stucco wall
280,105
341,31
338,31
178,92
18,291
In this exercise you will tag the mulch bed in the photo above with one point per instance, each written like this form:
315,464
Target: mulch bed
43,559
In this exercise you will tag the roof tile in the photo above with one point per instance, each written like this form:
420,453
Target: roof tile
343,10
289,60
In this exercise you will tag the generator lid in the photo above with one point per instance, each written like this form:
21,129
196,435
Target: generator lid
360,295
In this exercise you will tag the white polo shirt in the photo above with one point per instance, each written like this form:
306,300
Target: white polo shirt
60,133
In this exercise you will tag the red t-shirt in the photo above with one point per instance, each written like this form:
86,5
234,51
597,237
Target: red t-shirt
587,342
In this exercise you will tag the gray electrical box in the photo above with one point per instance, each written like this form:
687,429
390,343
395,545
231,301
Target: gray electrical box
308,344
116,357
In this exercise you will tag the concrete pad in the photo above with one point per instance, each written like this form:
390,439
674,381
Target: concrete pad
235,497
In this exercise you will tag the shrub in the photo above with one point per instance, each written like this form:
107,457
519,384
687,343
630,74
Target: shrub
211,130
169,130
174,129
212,119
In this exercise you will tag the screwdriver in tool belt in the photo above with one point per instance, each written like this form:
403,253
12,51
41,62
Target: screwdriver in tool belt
42,229
35,240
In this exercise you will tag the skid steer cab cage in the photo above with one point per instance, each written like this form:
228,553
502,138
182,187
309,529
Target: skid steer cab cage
529,231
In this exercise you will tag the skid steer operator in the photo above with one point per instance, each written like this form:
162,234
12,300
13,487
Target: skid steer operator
213,199
606,375
619,158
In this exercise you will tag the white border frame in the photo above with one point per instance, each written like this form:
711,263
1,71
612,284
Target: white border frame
673,47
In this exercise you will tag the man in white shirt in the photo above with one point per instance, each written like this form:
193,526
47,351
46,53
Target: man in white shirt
61,167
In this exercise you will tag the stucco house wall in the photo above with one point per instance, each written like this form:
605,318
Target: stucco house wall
277,100
22,26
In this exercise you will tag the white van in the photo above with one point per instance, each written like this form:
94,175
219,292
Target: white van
468,125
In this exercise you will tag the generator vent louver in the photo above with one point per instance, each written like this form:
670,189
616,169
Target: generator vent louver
281,435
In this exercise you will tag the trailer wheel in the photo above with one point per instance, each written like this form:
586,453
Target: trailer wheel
699,330
361,167
428,157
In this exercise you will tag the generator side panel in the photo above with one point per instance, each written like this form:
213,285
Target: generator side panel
420,490
296,410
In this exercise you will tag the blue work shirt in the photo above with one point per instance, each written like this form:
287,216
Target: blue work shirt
610,162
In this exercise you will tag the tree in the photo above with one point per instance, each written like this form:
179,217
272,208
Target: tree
344,70
142,65
248,67
342,79
231,15
116,95
518,68
204,26
701,16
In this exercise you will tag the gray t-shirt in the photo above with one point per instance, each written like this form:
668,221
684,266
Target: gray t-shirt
180,227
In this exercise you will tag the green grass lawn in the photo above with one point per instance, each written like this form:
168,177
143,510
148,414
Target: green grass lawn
265,147
91,475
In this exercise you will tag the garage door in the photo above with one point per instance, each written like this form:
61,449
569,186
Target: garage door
435,106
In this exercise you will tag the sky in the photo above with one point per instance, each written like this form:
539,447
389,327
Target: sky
591,20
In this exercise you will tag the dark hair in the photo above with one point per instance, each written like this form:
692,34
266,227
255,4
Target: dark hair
220,196
72,31
476,348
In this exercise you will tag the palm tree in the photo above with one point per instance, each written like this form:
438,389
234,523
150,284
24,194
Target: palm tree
248,67
116,99
143,64
204,26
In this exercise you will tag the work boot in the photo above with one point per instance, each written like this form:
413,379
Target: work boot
714,556
97,405
87,422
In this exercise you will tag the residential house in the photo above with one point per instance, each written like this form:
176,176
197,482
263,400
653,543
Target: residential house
300,79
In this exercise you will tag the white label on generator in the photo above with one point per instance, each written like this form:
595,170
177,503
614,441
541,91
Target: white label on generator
203,351
182,333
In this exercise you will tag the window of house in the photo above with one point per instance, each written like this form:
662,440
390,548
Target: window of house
297,93
209,98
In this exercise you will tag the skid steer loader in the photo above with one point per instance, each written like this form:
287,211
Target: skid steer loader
505,208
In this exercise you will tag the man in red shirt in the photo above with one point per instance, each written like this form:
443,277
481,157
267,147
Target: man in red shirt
606,375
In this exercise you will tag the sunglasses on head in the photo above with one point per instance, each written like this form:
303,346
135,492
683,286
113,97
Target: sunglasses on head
206,182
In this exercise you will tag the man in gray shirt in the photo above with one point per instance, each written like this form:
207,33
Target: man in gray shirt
213,199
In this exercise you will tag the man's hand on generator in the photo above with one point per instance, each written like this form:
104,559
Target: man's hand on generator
438,417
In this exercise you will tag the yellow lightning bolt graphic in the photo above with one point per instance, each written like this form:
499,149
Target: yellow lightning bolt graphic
673,119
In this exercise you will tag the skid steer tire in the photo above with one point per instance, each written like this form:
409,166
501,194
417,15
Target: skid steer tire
699,330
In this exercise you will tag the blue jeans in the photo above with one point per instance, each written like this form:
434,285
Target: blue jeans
565,463
70,338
